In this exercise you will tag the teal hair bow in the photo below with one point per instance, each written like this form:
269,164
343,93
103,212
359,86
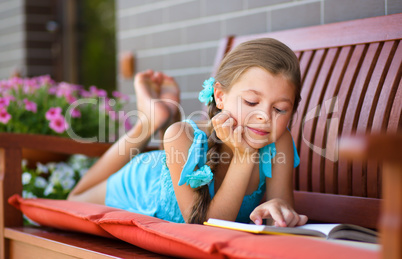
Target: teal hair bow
206,94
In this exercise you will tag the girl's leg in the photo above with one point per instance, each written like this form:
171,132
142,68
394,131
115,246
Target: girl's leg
155,94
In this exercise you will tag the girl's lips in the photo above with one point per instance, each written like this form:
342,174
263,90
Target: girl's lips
259,132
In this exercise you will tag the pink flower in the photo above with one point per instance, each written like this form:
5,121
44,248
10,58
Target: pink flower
58,124
4,101
64,89
105,105
30,106
45,80
75,113
85,94
16,81
53,112
4,115
9,97
52,90
102,93
97,92
70,99
120,96
30,86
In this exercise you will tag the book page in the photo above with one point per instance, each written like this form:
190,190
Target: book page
235,225
262,229
323,228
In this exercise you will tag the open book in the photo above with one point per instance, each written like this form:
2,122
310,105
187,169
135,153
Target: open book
328,231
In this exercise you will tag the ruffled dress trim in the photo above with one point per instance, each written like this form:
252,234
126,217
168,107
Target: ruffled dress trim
197,156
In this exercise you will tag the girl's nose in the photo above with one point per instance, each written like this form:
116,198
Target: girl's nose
262,116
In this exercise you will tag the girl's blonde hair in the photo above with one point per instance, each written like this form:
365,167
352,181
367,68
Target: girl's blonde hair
266,53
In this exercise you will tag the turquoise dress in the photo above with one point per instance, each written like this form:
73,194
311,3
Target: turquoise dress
144,184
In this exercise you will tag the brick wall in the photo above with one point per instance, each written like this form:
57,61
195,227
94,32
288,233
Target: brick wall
180,37
12,53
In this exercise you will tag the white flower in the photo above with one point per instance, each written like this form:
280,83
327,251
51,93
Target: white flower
75,165
24,162
28,195
65,170
51,166
41,168
78,160
55,177
49,189
67,183
40,182
26,178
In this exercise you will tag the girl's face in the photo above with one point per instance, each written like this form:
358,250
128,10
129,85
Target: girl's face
261,103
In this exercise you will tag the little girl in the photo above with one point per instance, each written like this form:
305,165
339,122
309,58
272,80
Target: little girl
215,169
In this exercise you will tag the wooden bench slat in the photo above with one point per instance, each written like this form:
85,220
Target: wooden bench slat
362,121
386,100
330,166
52,143
305,61
382,28
380,102
392,76
344,98
359,176
372,79
395,121
318,130
318,89
307,95
365,210
331,121
377,83
358,93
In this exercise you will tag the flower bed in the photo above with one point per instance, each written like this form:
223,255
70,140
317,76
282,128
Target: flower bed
54,180
41,106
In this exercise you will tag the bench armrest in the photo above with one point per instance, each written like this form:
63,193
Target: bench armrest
11,146
386,149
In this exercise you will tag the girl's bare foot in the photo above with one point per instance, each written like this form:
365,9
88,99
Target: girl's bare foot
170,94
152,110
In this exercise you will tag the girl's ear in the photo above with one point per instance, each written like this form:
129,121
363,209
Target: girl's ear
219,94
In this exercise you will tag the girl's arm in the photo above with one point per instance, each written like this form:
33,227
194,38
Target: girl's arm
177,141
280,185
228,199
280,202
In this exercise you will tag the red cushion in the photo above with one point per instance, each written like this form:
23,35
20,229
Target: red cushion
184,239
66,215
179,240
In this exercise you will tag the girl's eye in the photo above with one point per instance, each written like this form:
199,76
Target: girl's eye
250,103
279,111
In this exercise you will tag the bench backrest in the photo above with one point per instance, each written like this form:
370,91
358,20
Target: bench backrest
351,74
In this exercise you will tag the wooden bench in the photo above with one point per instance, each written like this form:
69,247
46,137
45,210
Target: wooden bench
352,72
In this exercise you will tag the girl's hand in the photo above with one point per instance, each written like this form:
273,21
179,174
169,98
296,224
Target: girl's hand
280,212
229,132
